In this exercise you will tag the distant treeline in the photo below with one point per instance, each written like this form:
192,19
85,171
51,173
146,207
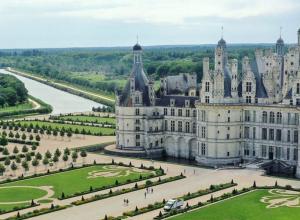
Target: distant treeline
113,65
12,91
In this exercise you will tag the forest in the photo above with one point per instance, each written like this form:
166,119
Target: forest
105,69
12,91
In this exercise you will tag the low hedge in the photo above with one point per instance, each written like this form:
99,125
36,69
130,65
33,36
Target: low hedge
94,147
19,208
127,190
188,196
18,141
12,157
38,212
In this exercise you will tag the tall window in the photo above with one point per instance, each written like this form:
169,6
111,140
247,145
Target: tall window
271,134
206,99
206,86
264,133
248,86
296,136
165,111
278,152
265,117
180,126
279,118
203,132
203,116
137,111
264,151
172,112
246,132
179,112
272,117
194,128
187,127
203,149
288,138
254,133
166,125
248,99
288,153
298,88
172,125
247,115
278,135
187,113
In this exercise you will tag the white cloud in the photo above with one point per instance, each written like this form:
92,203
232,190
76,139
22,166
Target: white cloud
148,11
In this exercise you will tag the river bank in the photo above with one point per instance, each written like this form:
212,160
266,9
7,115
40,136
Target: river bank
70,89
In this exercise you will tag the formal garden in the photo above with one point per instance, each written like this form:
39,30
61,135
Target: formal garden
275,204
44,188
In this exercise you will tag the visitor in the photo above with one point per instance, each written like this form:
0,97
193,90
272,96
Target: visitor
151,190
145,195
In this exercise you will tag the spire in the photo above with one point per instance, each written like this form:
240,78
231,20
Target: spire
280,32
222,30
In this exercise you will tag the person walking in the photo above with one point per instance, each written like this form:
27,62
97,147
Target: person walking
145,195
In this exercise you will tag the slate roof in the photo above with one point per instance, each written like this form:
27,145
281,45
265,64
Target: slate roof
179,100
227,82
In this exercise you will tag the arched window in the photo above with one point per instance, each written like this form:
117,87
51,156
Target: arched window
272,117
265,117
279,118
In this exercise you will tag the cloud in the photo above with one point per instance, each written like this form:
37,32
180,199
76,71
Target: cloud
157,12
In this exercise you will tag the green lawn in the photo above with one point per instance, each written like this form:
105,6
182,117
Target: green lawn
244,207
86,118
92,129
22,106
16,194
80,180
11,207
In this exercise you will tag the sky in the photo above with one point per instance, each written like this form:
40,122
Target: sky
104,23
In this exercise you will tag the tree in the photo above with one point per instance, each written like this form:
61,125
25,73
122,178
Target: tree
65,158
18,159
55,133
28,157
17,135
24,149
69,134
31,137
48,132
33,147
37,138
55,159
16,150
2,169
25,165
23,137
83,154
74,156
45,162
67,151
57,152
5,151
7,161
62,134
38,156
35,163
14,167
3,140
11,135
48,154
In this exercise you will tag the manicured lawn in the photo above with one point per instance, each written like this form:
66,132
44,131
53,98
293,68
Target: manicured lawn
244,207
17,194
92,129
94,119
80,180
12,206
23,106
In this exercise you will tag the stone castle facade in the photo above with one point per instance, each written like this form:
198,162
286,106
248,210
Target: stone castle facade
234,114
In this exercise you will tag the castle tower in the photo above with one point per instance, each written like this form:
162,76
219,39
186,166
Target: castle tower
234,78
280,45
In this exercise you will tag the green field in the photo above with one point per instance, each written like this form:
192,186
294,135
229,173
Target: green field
22,106
247,207
86,118
92,129
80,180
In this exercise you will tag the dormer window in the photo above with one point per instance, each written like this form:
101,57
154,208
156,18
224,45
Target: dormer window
187,103
248,86
172,102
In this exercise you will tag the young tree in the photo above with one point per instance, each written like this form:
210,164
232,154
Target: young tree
14,167
7,161
3,141
31,137
67,151
55,133
38,156
25,165
33,147
48,132
55,160
23,137
69,134
17,135
5,151
65,158
24,149
35,163
83,154
18,159
28,157
11,135
37,138
62,134
16,150
45,162
48,154
57,152
74,156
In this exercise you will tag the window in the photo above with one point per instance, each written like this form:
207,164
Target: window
180,126
254,116
288,138
297,102
179,112
206,86
137,143
296,118
288,153
253,132
187,127
247,115
172,112
203,149
228,119
156,143
271,134
246,150
166,125
172,125
298,88
206,99
278,135
187,113
272,117
248,87
289,118
137,99
194,113
264,134
296,136
203,132
137,121
165,111
228,136
263,150
278,152
248,99
194,128
279,118
137,136
246,132
265,117
137,128
137,111
295,154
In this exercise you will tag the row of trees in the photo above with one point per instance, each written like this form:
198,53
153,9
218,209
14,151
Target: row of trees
23,136
47,159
